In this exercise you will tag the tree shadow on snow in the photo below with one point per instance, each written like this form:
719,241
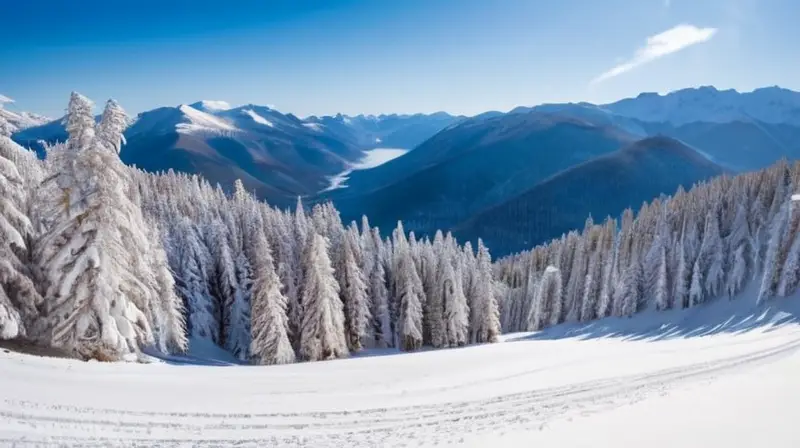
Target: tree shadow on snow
718,316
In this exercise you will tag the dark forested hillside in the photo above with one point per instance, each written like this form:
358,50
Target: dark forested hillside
604,186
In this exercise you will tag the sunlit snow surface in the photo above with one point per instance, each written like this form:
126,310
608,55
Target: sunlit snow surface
258,118
373,158
724,375
201,121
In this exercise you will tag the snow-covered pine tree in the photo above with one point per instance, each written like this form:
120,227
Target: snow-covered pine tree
680,281
486,323
577,277
170,332
381,325
549,297
353,293
193,266
19,298
611,244
655,264
772,264
322,331
712,253
269,342
95,305
407,292
111,127
790,274
740,252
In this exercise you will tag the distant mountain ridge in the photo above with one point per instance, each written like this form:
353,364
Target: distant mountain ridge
460,167
278,156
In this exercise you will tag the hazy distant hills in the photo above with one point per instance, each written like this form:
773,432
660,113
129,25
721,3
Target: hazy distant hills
514,178
600,187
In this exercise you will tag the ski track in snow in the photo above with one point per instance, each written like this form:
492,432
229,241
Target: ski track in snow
457,396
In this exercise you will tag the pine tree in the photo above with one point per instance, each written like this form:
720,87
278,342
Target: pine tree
192,267
111,127
549,297
322,332
354,295
486,327
19,298
381,325
771,264
269,342
408,294
740,252
95,305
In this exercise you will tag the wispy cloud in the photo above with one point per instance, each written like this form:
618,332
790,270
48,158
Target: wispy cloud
5,99
662,44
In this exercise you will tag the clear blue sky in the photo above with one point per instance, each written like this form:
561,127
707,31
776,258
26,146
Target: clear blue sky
380,56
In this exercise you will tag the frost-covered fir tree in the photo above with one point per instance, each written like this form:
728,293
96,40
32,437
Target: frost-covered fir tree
95,306
19,298
379,311
111,127
486,323
408,294
549,297
740,252
353,293
322,334
772,263
193,267
269,328
455,315
712,254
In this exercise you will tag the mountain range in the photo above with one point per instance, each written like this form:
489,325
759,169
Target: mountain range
514,178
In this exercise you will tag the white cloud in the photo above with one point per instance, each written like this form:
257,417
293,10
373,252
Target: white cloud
662,44
4,99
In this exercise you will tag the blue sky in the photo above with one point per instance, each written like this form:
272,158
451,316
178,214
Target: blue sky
381,56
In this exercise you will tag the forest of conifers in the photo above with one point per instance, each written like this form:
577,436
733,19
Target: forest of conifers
102,261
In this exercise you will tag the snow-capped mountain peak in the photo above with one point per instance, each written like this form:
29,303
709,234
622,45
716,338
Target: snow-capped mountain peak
709,104
211,106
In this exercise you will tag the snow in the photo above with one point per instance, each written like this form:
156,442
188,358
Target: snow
313,126
768,104
258,118
796,197
722,374
371,159
201,121
22,120
212,105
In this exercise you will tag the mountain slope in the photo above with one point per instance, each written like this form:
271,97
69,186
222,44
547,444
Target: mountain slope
471,166
600,187
737,145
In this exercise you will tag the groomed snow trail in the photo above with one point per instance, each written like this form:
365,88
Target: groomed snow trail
509,394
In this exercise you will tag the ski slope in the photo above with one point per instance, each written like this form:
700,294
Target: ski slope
695,378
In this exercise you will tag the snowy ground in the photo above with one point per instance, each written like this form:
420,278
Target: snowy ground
722,375
372,158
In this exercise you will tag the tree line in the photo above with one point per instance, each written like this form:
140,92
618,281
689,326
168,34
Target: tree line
103,260
676,252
